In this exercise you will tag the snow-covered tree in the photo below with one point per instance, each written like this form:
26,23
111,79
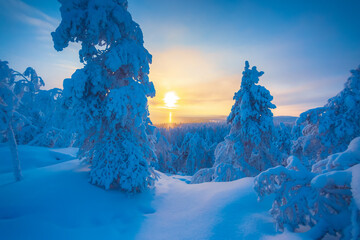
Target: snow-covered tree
52,119
13,86
187,148
198,154
291,186
282,140
39,115
39,118
324,199
249,147
329,129
8,103
30,107
164,153
193,155
109,95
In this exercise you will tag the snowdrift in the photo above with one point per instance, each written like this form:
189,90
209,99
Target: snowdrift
55,201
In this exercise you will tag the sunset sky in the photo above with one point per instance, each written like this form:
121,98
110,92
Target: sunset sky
305,48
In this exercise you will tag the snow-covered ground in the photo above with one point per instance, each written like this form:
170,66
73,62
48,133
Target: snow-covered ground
55,201
34,157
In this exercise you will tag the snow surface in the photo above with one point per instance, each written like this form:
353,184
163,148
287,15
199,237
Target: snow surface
34,157
55,201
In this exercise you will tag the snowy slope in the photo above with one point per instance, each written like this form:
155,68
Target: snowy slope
57,202
227,210
34,157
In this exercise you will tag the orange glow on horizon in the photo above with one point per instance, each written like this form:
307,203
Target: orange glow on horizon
206,90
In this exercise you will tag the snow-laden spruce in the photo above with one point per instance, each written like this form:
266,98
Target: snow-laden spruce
27,120
51,119
282,138
329,129
108,97
29,107
164,153
39,116
29,114
249,148
325,199
45,114
9,101
194,155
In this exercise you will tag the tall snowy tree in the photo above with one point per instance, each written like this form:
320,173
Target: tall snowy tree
109,95
248,149
13,87
329,129
8,103
30,107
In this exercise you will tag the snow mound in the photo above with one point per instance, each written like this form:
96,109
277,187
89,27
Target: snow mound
34,157
216,210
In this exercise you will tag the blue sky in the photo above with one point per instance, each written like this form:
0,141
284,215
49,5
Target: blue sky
305,48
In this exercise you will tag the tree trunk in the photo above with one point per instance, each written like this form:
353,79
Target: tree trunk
14,153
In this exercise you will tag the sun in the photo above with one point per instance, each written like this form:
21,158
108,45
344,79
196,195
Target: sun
171,99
